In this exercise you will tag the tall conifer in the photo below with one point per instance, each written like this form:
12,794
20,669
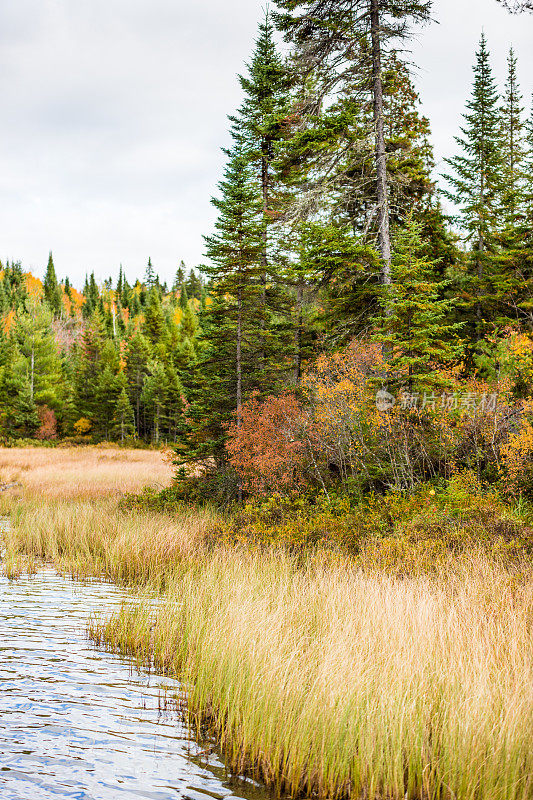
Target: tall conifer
475,183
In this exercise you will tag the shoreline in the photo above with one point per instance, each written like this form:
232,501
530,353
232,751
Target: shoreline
314,676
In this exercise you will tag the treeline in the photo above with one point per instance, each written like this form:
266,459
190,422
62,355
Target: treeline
331,231
330,235
103,364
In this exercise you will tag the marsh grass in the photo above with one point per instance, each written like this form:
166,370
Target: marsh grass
80,472
95,539
317,675
323,679
321,674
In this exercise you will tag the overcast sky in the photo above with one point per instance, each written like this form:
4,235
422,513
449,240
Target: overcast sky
113,113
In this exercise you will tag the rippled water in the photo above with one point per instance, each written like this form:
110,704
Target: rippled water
80,723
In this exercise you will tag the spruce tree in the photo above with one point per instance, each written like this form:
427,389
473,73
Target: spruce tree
528,168
154,327
415,327
343,44
52,290
260,124
123,417
513,148
150,276
475,184
228,371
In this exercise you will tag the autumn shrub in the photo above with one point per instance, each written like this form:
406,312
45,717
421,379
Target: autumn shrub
267,444
399,532
517,455
347,429
48,424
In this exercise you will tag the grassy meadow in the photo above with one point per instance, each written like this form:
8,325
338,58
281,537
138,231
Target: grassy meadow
320,672
81,472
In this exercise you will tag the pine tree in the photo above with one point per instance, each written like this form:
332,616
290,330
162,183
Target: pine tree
138,353
89,367
36,344
232,323
528,168
154,327
513,149
260,125
179,278
475,186
153,397
52,290
184,297
515,256
150,276
343,45
123,417
92,296
108,390
18,411
414,328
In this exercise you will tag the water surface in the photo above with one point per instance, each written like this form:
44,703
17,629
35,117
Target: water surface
77,722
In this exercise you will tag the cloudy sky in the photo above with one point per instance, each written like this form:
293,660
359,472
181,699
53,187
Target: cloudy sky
113,113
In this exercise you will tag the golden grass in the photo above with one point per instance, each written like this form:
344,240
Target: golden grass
76,472
317,675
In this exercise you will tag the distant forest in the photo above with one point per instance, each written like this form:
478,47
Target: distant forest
331,234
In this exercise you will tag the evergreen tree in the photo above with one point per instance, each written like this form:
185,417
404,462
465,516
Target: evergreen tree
513,149
528,168
154,320
18,411
343,44
260,126
36,344
92,296
179,278
123,417
232,323
138,353
89,368
153,397
52,290
414,327
475,187
150,276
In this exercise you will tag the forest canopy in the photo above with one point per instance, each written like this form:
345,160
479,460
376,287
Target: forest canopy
359,319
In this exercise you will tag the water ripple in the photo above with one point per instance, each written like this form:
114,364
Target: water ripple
79,723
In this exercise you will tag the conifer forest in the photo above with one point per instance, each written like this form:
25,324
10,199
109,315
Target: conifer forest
360,321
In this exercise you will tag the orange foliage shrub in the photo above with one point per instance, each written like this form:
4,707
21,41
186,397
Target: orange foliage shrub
48,426
349,428
82,426
517,454
265,446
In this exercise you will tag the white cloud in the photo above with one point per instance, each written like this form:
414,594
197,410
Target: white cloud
113,113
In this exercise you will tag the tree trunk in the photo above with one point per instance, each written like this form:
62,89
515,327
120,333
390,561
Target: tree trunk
239,373
380,153
265,148
32,382
298,335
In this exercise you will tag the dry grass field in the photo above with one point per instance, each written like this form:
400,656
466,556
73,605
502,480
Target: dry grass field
324,675
81,473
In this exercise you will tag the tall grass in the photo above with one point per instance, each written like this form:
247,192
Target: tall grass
82,472
317,675
93,538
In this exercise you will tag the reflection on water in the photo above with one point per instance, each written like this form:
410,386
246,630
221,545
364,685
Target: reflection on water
80,723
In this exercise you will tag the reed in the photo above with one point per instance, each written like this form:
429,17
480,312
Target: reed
319,674
93,538
316,675
81,472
